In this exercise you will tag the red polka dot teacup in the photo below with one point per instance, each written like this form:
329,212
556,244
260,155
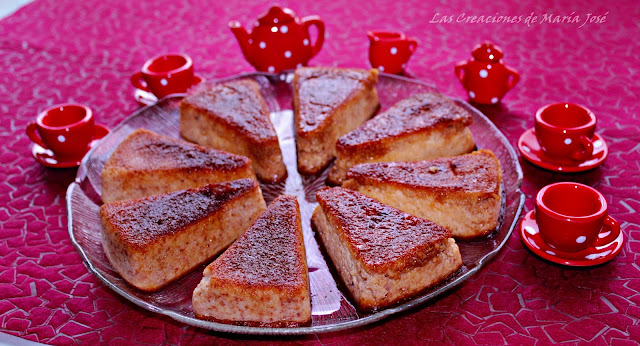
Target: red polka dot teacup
572,217
565,131
165,74
65,129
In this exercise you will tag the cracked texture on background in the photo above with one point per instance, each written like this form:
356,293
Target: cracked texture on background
55,51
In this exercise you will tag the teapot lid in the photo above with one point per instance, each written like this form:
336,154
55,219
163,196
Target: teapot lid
487,51
277,15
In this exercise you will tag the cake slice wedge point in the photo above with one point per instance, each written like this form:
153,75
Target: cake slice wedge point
147,164
421,127
462,193
234,117
155,240
383,255
329,102
262,279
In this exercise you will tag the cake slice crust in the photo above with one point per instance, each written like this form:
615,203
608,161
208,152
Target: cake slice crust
422,127
147,163
462,193
382,254
262,279
155,240
329,102
234,117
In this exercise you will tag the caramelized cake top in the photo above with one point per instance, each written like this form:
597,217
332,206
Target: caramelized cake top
477,172
320,90
239,105
140,222
417,113
380,236
144,150
270,253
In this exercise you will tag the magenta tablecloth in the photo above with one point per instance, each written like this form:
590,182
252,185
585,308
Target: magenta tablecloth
55,51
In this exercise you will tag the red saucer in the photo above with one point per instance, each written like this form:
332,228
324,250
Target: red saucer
530,150
145,98
588,257
47,158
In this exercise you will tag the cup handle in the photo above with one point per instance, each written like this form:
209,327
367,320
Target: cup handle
587,144
609,233
514,77
32,132
413,44
139,82
460,70
319,24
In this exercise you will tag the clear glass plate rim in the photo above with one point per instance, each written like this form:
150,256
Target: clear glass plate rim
82,175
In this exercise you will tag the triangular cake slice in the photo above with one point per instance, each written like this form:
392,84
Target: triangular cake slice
262,279
382,254
153,241
422,127
329,102
233,117
461,193
147,163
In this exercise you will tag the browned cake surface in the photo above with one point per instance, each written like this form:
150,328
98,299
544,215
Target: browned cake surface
144,150
233,116
329,102
421,112
460,192
322,89
147,163
144,221
382,237
154,240
421,127
382,254
262,278
477,172
240,106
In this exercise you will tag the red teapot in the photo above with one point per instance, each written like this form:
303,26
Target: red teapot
485,76
279,40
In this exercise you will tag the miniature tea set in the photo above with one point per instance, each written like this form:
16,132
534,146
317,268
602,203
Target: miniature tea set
63,134
164,75
279,40
485,76
389,52
570,224
564,139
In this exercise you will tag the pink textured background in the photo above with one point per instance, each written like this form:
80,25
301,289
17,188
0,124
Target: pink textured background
55,51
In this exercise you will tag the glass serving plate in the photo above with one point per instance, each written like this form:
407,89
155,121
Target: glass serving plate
331,307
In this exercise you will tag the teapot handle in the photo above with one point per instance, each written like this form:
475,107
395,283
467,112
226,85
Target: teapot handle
315,20
460,70
514,77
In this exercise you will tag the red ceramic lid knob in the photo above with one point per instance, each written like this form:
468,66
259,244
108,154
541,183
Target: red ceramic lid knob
277,15
487,51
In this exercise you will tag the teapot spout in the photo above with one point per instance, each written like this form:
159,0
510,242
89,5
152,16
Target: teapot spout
242,36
